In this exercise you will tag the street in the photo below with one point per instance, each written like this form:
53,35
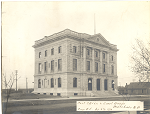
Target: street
64,106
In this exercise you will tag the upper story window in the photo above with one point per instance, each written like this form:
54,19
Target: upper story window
52,82
88,65
112,69
103,68
96,67
45,53
88,51
45,67
59,64
96,54
112,58
40,68
59,49
104,55
52,51
74,64
39,54
74,49
59,82
52,66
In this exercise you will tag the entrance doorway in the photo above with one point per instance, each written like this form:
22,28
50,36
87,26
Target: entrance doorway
90,84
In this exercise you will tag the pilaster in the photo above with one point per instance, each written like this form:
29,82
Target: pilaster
108,66
93,61
101,67
84,58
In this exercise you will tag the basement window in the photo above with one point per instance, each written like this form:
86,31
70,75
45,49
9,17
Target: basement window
58,94
51,93
75,93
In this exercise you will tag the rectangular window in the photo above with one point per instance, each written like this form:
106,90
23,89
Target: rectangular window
59,82
39,83
88,52
96,54
46,53
59,65
112,69
88,65
112,58
59,49
52,82
98,84
40,68
74,82
45,67
105,85
74,64
58,94
75,93
51,93
52,66
52,51
103,68
96,67
103,55
39,54
74,49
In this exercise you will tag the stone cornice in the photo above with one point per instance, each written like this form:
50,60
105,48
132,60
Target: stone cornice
73,35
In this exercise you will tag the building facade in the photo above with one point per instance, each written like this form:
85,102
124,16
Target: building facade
70,63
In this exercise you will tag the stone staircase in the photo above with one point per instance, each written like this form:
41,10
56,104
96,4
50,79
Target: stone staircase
104,93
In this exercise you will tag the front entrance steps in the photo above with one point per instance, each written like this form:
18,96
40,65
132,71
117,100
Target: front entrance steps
100,93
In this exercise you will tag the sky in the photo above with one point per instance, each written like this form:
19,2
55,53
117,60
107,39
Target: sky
25,22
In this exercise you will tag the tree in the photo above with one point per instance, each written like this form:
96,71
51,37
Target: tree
8,84
140,60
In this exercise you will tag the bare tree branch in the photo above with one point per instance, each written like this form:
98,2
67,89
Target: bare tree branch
140,64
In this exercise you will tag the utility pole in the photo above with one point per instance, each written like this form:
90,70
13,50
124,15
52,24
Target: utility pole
94,25
16,80
26,85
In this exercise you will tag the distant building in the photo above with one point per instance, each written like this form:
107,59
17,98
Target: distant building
136,88
70,63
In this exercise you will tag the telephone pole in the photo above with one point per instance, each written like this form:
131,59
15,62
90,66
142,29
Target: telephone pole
16,80
26,85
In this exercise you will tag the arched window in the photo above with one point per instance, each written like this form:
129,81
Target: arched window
90,84
59,82
113,84
74,49
39,83
112,69
74,82
52,82
105,85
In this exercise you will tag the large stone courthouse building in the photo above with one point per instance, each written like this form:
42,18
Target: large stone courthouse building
69,63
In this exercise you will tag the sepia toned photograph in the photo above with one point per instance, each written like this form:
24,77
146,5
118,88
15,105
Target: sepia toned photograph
83,57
